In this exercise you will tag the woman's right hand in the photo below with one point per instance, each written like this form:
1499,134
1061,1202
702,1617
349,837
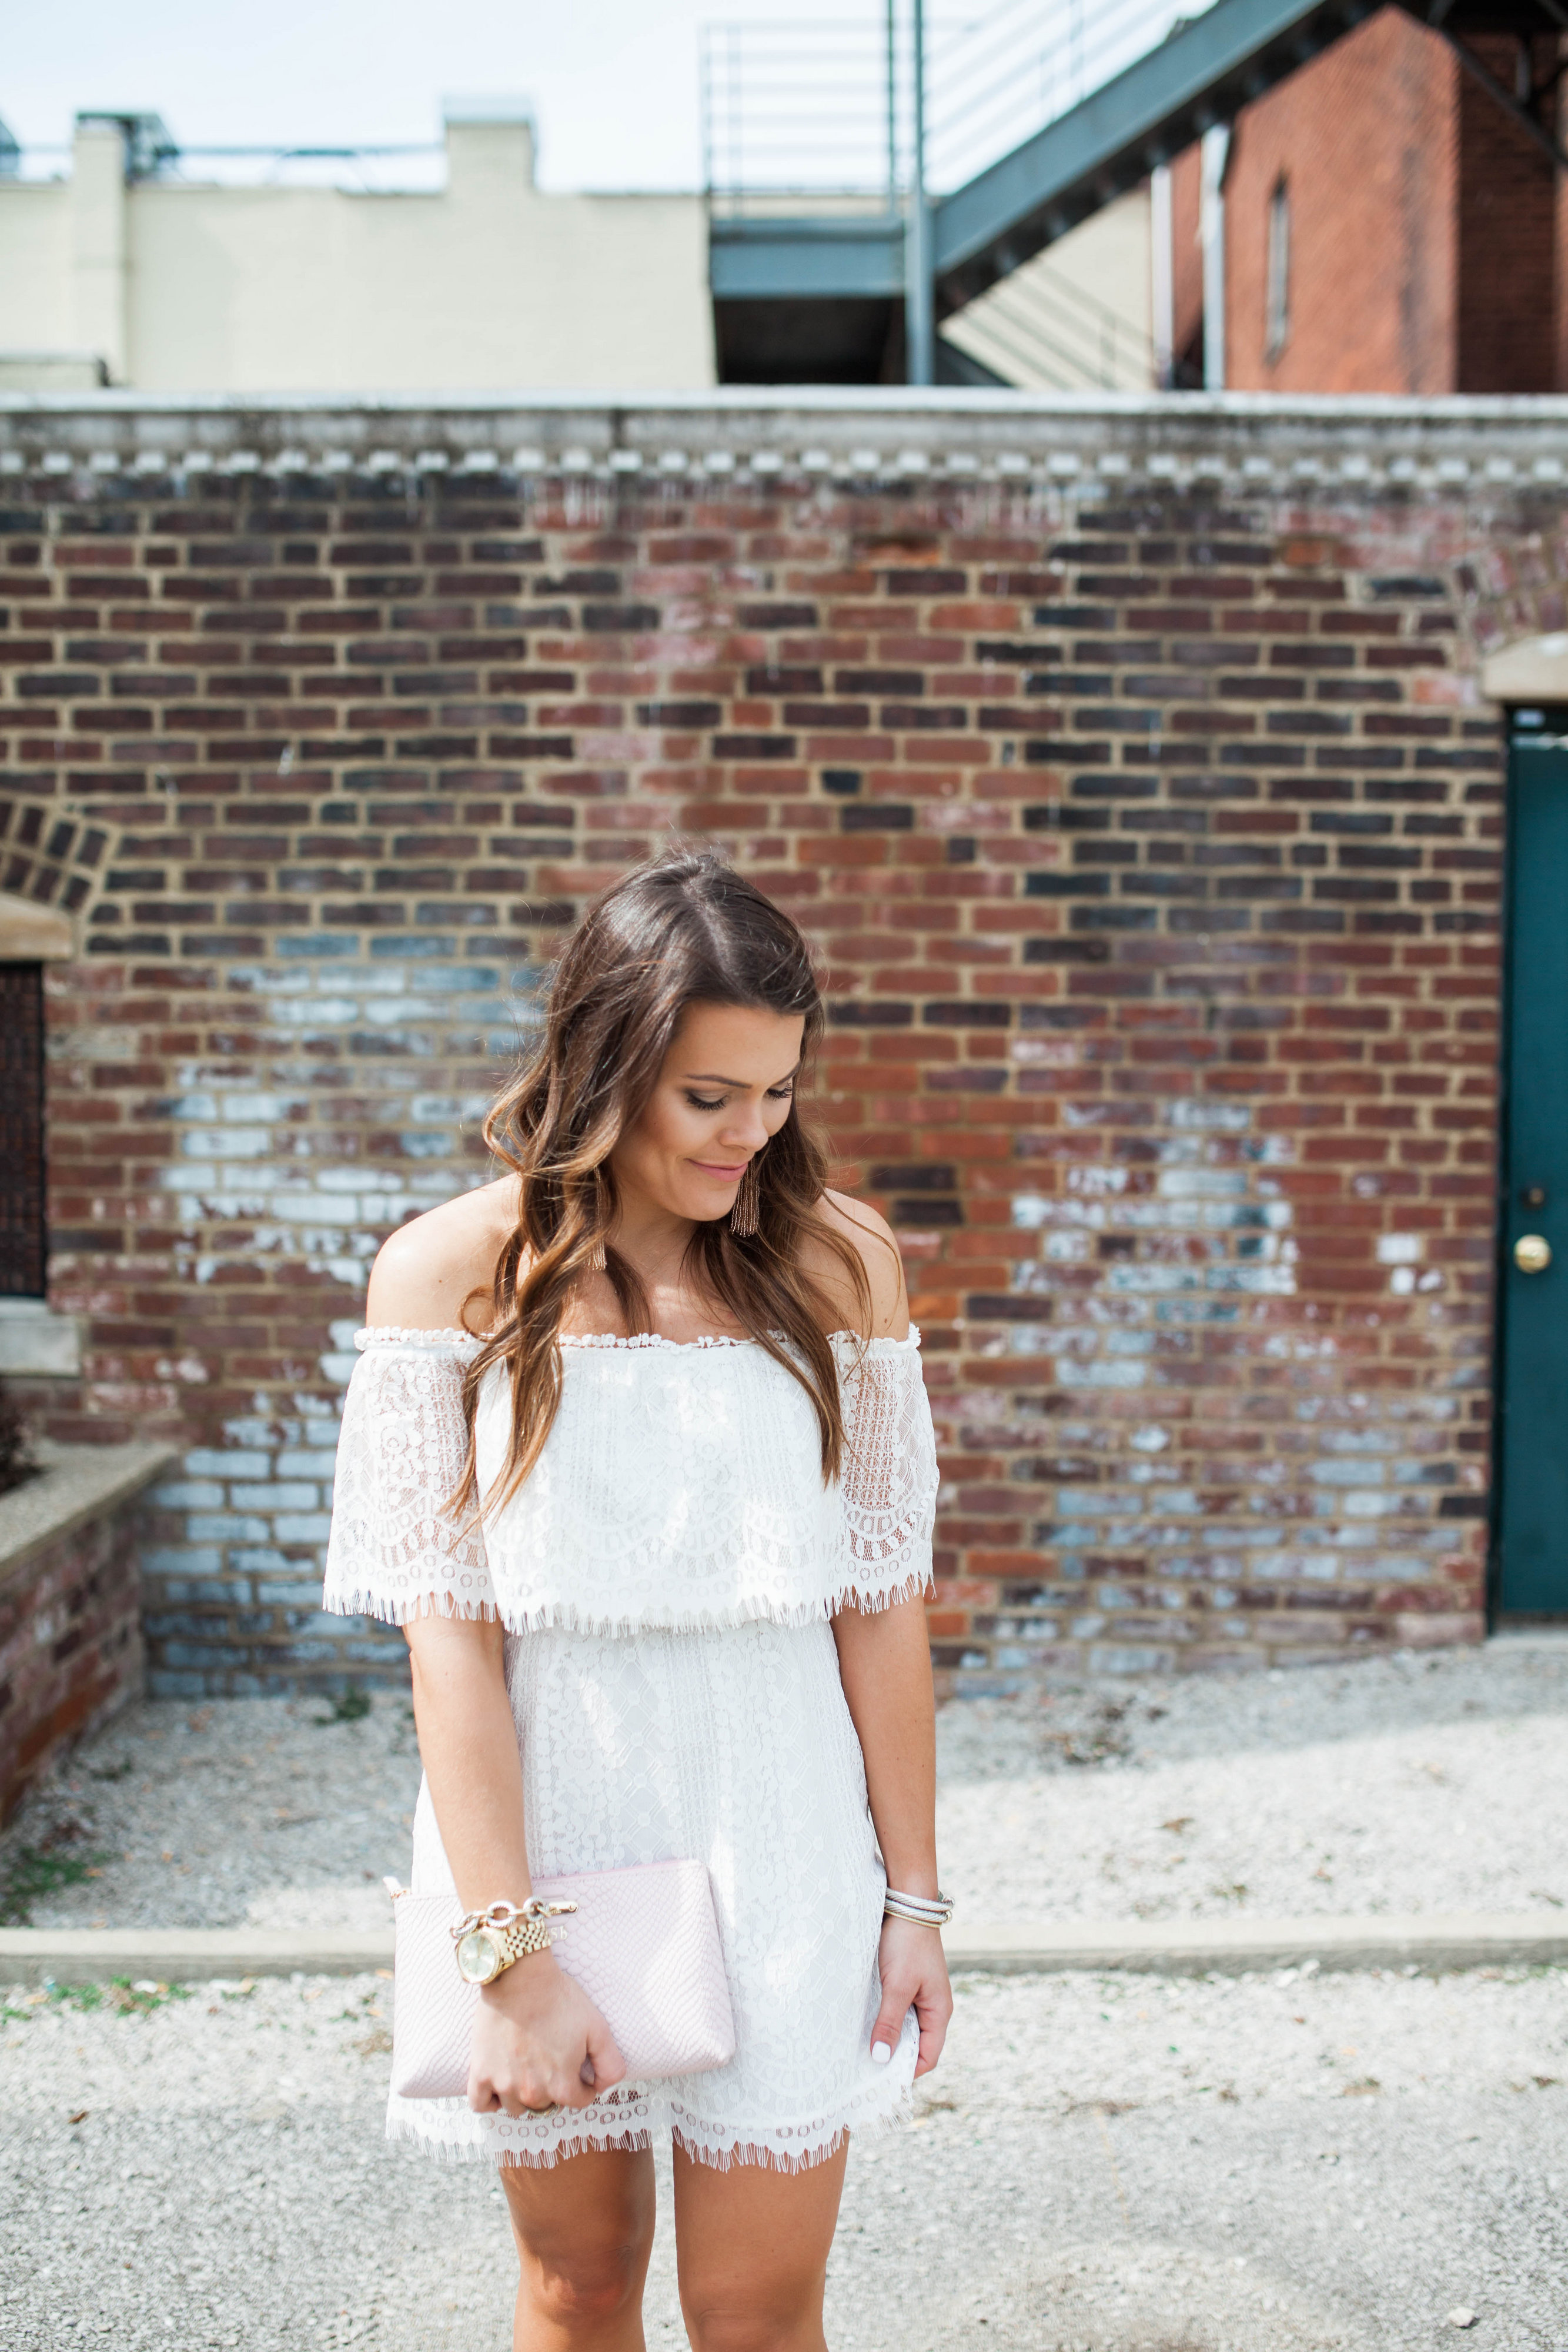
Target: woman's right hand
539,2041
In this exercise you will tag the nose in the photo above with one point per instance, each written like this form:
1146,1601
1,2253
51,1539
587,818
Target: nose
747,1133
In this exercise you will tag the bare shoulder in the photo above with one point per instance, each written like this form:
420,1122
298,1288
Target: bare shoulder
427,1271
871,1237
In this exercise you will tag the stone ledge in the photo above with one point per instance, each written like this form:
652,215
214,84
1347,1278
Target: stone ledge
1194,1948
76,1484
33,934
1454,444
36,1340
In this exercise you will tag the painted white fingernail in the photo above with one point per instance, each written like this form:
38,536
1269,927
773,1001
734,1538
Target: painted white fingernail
881,2052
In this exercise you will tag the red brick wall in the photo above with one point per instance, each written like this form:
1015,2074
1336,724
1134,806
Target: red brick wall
70,1644
1507,234
1365,138
1150,828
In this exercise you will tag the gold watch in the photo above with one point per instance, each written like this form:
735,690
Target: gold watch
488,1942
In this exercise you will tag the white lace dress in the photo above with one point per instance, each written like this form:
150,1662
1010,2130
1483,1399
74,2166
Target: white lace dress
666,1575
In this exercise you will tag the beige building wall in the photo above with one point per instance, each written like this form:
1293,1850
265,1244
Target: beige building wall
488,285
1078,317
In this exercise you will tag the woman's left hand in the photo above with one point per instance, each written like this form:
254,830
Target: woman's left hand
914,1976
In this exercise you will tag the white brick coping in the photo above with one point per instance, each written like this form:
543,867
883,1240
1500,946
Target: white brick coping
36,1339
1312,444
76,1485
1195,1947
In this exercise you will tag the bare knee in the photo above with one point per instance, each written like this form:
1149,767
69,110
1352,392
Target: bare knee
582,2243
581,2288
775,2317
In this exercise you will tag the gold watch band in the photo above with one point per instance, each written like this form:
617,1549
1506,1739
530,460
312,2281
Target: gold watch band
523,1936
487,1943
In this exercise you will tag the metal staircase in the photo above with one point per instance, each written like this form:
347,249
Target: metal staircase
832,203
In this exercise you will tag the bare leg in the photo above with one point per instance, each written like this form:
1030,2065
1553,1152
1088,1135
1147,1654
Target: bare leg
752,2248
584,2229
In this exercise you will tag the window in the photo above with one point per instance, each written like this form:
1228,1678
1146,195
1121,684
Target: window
21,1130
1277,288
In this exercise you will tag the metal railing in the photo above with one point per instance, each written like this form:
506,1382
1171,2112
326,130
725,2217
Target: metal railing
823,109
802,109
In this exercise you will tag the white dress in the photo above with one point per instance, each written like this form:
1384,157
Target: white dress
666,1575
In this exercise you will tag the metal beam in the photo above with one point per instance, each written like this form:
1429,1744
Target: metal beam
1530,124
919,294
770,261
1202,74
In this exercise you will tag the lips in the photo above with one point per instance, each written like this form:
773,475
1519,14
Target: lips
723,1173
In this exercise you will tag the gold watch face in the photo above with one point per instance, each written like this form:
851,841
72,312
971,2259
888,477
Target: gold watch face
479,1955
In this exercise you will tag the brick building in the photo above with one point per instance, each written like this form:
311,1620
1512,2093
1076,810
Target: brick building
1131,765
1393,218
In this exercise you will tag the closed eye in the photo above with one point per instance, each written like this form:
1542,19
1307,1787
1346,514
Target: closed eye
785,1093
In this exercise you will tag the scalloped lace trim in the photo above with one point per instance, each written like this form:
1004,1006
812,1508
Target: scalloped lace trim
721,2146
395,1334
717,2157
865,1597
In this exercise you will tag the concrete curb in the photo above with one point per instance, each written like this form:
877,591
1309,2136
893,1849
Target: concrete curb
1230,1946
35,1955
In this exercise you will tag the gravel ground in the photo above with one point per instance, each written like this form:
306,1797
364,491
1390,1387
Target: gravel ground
1102,2163
1389,1784
1289,2163
260,1812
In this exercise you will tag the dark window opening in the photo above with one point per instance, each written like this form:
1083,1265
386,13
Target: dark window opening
22,1249
1276,294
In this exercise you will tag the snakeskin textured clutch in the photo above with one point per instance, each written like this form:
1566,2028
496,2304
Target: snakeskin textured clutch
643,1943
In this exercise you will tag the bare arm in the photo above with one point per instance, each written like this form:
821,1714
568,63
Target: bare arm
538,2038
884,1661
884,1664
469,1749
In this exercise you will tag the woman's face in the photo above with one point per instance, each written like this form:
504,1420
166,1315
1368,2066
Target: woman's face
725,1088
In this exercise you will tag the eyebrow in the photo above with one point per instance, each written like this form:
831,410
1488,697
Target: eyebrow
712,1078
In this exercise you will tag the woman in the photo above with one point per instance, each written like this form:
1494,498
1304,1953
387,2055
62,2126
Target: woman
638,1453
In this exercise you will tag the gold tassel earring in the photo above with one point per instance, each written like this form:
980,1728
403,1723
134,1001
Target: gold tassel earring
596,1251
747,1198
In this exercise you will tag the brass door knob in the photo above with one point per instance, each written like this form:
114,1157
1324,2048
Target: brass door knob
1532,1253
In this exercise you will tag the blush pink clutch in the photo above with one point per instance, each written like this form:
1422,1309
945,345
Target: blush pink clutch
643,1943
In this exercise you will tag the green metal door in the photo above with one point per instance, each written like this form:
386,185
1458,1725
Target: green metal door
1532,1422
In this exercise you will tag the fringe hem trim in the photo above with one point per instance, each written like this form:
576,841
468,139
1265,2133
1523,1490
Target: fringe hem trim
709,2145
867,1600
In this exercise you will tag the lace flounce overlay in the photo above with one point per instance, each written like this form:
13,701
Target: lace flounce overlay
666,1576
680,1487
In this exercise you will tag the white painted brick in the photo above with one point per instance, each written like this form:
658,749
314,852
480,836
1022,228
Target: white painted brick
282,1495
226,1143
212,1462
312,1209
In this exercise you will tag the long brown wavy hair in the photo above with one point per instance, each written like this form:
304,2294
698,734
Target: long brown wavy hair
684,928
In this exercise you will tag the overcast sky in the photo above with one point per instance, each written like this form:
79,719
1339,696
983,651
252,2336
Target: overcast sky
615,81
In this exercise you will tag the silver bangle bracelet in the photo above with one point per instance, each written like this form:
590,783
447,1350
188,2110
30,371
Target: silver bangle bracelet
918,1908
